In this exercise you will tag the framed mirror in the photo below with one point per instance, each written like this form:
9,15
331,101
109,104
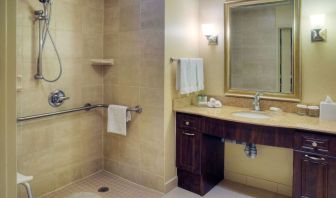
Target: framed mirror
262,49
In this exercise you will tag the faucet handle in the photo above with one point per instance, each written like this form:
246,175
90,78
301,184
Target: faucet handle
57,98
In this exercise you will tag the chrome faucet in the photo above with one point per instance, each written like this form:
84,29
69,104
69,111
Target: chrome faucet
256,101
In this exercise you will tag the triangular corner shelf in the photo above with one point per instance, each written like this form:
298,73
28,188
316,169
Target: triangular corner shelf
102,62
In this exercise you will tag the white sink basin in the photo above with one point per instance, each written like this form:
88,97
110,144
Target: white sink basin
252,114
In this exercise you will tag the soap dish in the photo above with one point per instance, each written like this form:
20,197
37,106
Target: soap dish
102,62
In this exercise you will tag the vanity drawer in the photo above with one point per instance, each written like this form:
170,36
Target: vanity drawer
190,122
311,142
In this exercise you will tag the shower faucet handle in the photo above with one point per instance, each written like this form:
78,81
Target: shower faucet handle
57,98
62,98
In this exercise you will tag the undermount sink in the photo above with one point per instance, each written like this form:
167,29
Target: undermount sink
252,114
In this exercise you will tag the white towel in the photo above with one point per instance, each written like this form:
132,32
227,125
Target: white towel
190,75
200,73
118,116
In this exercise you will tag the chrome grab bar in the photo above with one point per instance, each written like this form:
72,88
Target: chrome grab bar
86,107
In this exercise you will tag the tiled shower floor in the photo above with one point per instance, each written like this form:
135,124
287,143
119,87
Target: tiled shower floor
121,188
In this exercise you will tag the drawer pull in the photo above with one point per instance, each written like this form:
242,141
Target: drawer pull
188,134
315,158
187,123
314,144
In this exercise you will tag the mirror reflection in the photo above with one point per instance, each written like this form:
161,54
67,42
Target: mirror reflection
261,47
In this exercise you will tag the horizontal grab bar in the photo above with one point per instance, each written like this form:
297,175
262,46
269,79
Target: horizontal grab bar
86,107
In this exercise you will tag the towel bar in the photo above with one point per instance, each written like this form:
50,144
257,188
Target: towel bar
174,60
86,107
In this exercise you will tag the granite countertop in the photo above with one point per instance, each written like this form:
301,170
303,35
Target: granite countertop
278,119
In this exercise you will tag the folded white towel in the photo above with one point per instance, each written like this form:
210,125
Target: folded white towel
118,116
213,103
190,75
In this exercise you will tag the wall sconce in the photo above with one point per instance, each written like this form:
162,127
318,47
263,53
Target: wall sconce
210,33
318,32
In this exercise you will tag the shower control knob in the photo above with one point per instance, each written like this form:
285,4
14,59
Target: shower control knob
57,98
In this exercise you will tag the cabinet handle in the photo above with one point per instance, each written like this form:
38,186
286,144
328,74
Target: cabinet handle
187,123
188,134
315,158
314,144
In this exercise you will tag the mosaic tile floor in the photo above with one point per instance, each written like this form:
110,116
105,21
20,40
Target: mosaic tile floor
121,188
118,188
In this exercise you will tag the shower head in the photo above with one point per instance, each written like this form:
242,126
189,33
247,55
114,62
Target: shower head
46,1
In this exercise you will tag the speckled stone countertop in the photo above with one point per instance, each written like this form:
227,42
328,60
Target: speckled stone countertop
278,119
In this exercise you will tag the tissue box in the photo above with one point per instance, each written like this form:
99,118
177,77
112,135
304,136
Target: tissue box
328,111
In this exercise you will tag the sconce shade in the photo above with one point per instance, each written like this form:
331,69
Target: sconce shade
208,30
317,21
210,33
318,32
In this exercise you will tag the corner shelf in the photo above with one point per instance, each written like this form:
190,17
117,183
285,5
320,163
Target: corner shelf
102,62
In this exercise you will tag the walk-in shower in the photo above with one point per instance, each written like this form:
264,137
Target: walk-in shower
44,17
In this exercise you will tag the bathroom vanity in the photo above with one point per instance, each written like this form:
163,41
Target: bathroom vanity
200,134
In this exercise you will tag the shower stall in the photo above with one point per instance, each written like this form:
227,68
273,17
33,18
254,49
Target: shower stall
62,97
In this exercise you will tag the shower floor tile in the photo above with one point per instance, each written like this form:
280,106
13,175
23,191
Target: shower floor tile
121,188
118,188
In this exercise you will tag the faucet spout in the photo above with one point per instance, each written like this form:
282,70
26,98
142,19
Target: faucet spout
256,101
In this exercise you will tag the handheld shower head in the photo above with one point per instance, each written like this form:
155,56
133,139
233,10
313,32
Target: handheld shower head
46,1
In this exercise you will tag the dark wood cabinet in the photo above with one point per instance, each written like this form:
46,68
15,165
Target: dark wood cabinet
314,165
200,154
310,176
188,152
199,158
314,176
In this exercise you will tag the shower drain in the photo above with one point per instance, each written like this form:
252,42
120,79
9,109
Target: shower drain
103,189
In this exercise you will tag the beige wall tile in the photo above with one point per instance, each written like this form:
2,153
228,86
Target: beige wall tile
134,37
111,19
67,16
111,166
59,150
151,72
129,172
111,3
129,17
151,181
152,14
151,97
111,45
152,158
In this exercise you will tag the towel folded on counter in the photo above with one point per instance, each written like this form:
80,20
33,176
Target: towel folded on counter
190,75
118,116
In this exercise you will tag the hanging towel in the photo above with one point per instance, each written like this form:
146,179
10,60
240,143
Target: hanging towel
118,116
190,75
199,73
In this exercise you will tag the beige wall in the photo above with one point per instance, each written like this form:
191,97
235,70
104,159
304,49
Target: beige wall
181,40
318,59
7,100
134,37
60,150
318,80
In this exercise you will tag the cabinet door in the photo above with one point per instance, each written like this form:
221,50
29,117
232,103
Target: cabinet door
314,176
188,151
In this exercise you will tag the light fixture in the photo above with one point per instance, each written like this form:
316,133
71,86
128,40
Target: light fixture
210,33
318,32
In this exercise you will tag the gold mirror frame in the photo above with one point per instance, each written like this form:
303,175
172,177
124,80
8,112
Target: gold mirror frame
296,95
